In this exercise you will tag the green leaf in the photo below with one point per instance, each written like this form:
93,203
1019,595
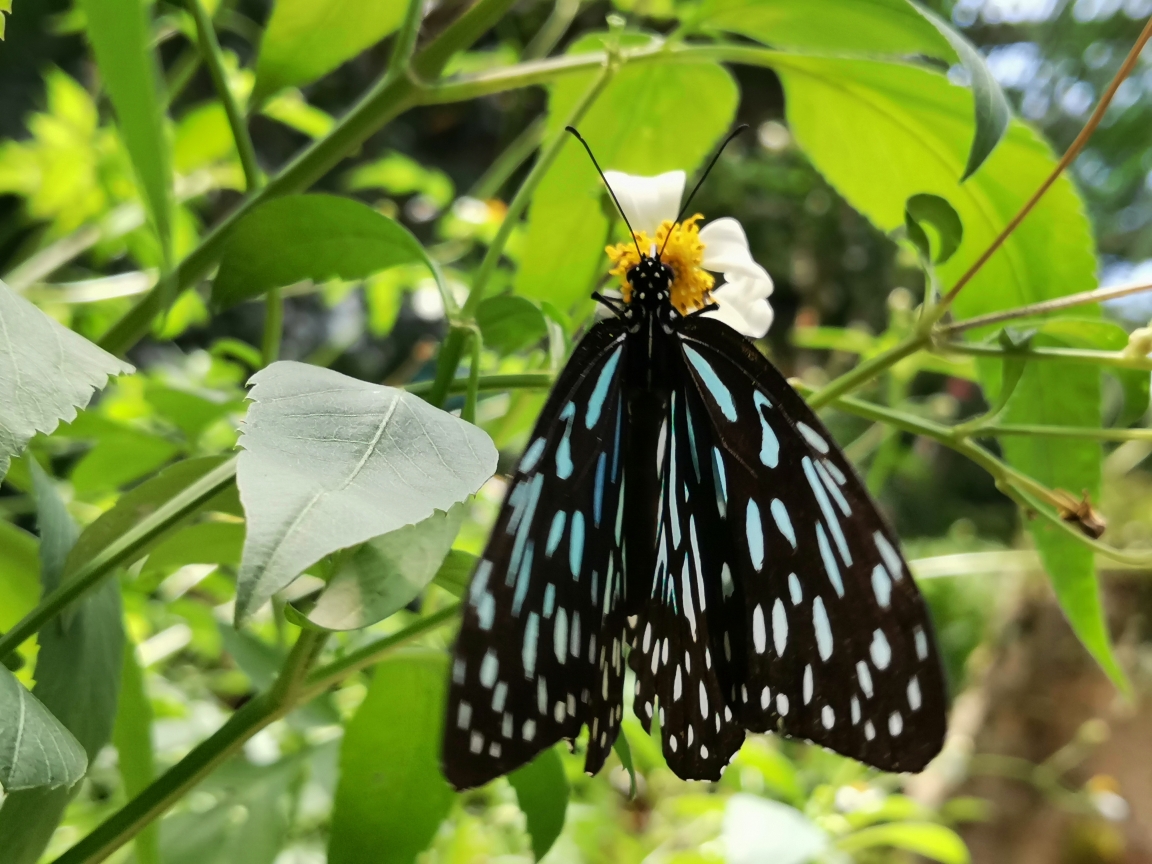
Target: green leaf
202,543
330,462
140,502
5,9
456,571
542,790
248,821
509,323
46,373
907,126
938,213
757,830
318,237
624,751
399,175
306,39
35,749
567,226
19,574
937,842
391,797
122,43
120,457
132,736
77,679
873,28
386,574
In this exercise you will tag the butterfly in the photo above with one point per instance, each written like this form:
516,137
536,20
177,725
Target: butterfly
681,512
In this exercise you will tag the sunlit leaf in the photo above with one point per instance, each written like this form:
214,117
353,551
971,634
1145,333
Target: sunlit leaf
46,373
937,842
386,574
542,790
392,797
568,226
305,39
509,323
330,462
317,237
122,43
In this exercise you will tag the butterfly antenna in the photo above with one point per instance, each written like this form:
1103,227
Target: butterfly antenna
700,182
580,138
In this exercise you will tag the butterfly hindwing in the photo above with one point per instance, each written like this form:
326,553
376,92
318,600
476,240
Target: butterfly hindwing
539,651
830,639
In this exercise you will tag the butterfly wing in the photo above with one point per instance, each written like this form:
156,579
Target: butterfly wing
830,638
539,651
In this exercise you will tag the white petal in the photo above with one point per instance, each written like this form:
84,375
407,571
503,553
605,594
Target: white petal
743,297
648,201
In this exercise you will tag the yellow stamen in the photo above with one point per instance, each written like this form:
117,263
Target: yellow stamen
691,285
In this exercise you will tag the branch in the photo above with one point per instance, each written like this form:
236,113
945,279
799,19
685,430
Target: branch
1084,298
1114,359
405,42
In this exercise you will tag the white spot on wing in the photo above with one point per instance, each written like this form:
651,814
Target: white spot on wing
463,715
914,700
827,717
812,436
759,635
779,626
880,650
807,684
865,677
895,723
823,628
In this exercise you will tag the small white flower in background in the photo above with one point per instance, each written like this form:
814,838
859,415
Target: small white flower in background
693,253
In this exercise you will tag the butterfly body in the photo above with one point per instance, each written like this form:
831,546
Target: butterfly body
681,510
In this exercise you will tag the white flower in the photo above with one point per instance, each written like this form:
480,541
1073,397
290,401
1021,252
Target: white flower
719,247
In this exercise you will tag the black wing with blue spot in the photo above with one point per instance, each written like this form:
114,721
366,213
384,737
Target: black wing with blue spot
540,649
824,635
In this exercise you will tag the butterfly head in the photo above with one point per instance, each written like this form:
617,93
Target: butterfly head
650,281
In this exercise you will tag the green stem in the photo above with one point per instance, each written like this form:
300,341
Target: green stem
1098,295
294,686
273,325
866,371
1114,359
1066,432
469,411
214,60
487,383
405,41
505,165
465,30
559,20
123,550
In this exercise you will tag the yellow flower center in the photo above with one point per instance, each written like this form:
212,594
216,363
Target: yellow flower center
691,284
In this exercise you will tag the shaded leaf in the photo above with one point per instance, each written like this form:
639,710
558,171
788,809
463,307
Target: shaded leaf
46,373
330,462
392,797
456,571
203,543
542,790
938,213
305,39
567,222
386,574
318,237
937,842
624,752
35,749
509,323
119,33
756,830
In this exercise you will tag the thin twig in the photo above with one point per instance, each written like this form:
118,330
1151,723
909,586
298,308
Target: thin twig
1097,295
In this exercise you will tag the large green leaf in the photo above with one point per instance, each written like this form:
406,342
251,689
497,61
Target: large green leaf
122,43
567,229
306,39
907,128
330,462
77,679
392,797
19,574
542,790
35,750
936,842
387,573
873,28
317,237
509,323
46,372
132,736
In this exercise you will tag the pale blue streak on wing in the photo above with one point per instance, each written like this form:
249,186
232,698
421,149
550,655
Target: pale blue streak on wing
712,383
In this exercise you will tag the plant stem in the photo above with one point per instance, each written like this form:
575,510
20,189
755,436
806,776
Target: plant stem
1064,432
1071,153
214,60
469,411
465,30
505,165
294,686
1097,295
273,325
405,41
866,371
1115,359
523,381
553,30
123,550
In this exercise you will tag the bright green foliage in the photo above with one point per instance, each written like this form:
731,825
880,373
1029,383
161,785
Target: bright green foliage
542,791
400,175
132,736
5,9
391,796
46,373
509,323
305,497
317,237
306,39
935,842
118,31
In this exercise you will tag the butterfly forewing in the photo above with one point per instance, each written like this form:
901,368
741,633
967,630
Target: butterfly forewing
830,639
540,649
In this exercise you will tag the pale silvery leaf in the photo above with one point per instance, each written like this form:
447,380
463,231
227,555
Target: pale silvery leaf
330,462
46,373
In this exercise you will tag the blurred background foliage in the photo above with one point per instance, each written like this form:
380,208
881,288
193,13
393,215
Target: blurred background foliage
1055,772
